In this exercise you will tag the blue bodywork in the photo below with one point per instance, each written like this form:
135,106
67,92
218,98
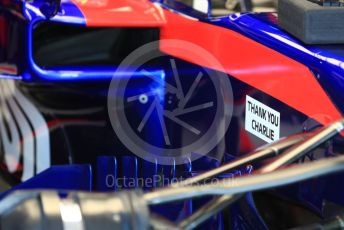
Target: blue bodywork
326,62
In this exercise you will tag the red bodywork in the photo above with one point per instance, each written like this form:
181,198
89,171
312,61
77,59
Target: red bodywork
123,13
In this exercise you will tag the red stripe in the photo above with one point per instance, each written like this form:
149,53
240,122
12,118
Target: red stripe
252,63
8,69
121,13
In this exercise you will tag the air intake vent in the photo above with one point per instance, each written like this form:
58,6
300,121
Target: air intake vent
62,45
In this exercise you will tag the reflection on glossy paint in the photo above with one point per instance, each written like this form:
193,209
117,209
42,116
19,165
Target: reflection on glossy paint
291,43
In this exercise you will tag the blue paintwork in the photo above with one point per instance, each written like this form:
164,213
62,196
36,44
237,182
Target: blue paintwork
130,172
106,173
64,177
149,171
69,13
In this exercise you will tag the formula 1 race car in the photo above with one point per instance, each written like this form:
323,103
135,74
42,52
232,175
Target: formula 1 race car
138,114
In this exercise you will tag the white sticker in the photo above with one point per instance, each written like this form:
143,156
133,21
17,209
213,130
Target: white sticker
201,5
261,120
